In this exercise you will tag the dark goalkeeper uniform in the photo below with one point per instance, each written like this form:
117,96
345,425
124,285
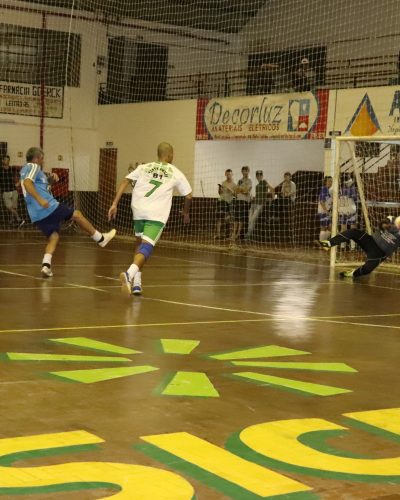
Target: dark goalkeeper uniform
378,246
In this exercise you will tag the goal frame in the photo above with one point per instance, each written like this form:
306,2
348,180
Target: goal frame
337,144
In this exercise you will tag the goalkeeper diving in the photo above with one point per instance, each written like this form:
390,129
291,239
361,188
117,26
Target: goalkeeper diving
152,193
378,246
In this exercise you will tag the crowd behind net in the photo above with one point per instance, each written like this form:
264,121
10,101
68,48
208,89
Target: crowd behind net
100,53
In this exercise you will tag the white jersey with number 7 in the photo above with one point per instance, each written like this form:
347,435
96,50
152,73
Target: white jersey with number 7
154,188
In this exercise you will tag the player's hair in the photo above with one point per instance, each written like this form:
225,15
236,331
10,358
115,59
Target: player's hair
33,152
164,148
287,173
245,167
5,156
228,170
327,177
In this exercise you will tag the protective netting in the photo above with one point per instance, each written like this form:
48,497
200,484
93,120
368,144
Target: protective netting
99,83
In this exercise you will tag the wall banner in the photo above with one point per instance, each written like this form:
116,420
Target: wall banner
368,111
25,99
276,116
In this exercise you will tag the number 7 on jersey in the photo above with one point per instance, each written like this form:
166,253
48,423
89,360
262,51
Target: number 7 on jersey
156,185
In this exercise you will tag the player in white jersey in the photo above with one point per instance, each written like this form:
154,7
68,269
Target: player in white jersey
151,204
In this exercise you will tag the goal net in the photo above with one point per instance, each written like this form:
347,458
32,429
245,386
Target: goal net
98,84
365,190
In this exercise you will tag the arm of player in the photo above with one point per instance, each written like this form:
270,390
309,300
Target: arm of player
186,208
30,189
112,212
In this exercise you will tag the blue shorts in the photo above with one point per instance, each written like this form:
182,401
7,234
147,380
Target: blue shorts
52,223
325,219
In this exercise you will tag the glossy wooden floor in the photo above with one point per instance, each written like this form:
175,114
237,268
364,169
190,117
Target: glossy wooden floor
243,425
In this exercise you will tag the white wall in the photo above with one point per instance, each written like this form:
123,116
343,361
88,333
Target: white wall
136,130
275,158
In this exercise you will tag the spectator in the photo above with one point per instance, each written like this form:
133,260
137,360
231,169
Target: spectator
286,197
303,76
226,192
242,202
262,190
8,186
288,188
348,201
325,209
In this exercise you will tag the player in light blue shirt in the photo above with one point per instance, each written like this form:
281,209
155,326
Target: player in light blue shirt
46,212
36,210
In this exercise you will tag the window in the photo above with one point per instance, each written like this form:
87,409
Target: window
32,55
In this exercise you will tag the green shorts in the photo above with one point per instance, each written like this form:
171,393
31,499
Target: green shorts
148,230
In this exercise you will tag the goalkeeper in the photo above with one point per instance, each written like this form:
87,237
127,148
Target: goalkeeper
378,246
151,204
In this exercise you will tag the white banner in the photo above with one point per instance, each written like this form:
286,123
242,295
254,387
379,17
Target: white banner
25,99
368,111
277,116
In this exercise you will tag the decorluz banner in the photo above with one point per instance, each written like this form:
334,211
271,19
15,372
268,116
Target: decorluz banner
25,99
277,116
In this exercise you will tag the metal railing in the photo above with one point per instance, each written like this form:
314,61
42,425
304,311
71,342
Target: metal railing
344,73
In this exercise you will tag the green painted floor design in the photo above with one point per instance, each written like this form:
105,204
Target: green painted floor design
101,374
195,384
95,344
185,383
26,356
296,385
177,346
287,365
267,351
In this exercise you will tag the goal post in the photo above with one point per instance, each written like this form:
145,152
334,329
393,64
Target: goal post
365,188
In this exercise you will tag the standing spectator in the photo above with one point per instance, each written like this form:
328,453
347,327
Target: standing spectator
8,186
303,76
348,200
325,209
226,192
242,202
262,190
288,188
286,197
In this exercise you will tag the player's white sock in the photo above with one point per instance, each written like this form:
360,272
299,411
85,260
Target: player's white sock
132,271
97,236
324,235
137,279
47,259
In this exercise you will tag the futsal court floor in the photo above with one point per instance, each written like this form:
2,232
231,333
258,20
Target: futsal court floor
231,377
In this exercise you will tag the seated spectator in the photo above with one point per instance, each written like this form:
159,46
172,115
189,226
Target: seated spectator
242,202
226,192
262,191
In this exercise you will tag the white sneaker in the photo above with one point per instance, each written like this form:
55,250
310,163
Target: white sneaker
107,238
137,284
46,272
126,284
